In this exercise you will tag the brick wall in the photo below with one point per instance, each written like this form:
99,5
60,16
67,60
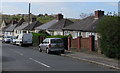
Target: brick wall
79,43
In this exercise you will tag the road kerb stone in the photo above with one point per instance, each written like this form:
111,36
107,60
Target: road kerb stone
95,62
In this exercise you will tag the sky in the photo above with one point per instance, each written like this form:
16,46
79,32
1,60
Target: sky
68,9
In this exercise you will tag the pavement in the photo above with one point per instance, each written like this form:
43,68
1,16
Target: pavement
92,57
99,59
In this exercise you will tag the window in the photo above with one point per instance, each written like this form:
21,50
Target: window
56,41
46,41
24,32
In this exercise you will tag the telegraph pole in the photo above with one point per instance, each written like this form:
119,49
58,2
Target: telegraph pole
29,14
29,17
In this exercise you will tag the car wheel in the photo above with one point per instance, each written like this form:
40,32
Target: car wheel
63,51
40,49
47,51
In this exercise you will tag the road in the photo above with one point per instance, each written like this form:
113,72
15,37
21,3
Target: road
16,58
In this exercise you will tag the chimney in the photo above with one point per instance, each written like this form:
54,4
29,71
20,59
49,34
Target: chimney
59,16
34,19
99,14
14,21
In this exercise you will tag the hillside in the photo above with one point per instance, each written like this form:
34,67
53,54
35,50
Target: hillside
42,18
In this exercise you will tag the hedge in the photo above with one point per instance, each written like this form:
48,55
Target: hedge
109,30
36,38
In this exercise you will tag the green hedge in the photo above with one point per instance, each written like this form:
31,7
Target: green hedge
56,36
109,30
36,38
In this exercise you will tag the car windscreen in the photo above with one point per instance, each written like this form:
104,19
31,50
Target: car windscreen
56,41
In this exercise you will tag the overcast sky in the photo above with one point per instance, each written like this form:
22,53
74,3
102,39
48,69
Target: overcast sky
68,9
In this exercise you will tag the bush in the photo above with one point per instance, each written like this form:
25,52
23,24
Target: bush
36,38
109,30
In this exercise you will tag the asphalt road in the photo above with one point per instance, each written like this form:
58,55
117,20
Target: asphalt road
16,58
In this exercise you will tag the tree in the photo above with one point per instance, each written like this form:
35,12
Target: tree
84,15
109,30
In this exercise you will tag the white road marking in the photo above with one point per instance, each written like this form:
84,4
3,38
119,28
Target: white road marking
39,62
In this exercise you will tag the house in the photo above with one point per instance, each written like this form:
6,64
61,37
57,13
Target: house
84,27
55,26
56,29
33,25
3,25
47,25
25,27
9,31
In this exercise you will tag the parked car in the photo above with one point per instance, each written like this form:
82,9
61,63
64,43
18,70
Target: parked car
6,39
52,45
13,40
24,39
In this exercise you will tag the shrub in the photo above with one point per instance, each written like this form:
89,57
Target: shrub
109,30
36,38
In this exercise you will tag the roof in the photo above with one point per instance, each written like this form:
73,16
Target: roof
3,29
33,25
22,26
11,28
20,22
87,24
46,25
60,24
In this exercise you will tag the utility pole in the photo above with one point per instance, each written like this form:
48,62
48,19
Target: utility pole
29,16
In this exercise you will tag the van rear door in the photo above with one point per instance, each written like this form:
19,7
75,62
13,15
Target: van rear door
27,38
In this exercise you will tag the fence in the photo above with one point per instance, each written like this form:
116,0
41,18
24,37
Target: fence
79,43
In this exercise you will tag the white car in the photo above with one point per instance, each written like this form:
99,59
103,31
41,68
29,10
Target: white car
6,39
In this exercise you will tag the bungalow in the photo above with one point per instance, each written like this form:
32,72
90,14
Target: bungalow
84,27
9,31
47,25
56,29
26,28
55,26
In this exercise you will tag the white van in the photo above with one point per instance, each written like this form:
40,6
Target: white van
24,39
